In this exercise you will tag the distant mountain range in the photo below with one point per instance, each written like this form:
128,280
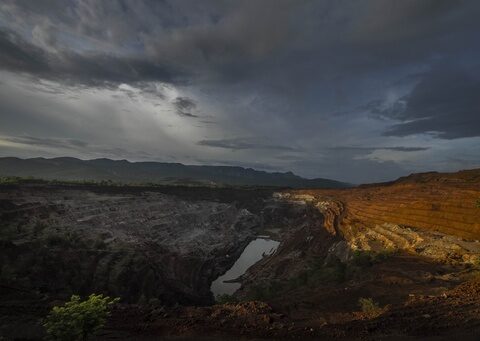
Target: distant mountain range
69,168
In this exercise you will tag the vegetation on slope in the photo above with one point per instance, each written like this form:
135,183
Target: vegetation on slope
78,319
320,273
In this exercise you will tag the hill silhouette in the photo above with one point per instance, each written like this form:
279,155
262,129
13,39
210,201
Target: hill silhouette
69,168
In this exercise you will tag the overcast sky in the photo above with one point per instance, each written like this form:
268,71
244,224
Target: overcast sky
358,91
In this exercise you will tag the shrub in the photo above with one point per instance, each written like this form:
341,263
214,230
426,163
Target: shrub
99,244
225,299
321,272
477,203
9,180
369,258
369,306
261,293
334,271
78,319
362,258
39,227
55,240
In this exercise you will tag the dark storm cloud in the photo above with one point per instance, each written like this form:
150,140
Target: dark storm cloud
290,72
185,106
239,144
16,54
406,149
107,68
254,165
229,41
446,102
151,90
372,149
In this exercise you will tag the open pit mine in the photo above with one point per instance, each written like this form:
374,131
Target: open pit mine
389,261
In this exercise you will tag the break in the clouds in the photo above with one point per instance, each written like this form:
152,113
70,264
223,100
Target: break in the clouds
352,90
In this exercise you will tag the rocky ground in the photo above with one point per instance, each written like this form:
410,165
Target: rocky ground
454,313
409,247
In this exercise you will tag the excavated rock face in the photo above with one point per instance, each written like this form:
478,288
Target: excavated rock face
136,246
415,236
433,215
305,232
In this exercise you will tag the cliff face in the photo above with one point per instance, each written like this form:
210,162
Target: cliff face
433,215
446,208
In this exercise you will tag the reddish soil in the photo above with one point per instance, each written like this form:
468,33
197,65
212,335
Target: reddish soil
433,201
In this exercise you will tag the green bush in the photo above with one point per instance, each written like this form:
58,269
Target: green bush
225,299
265,292
334,271
368,305
368,258
9,180
78,319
